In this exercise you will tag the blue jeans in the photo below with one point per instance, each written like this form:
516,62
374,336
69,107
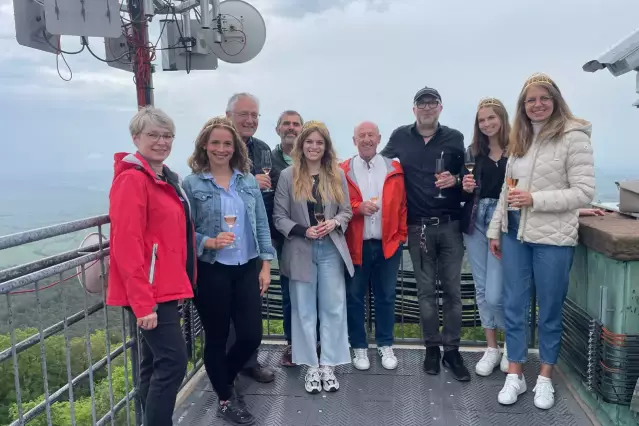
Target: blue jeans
381,273
486,268
548,269
324,297
286,303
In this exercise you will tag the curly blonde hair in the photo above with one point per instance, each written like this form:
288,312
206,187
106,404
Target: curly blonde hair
199,160
330,180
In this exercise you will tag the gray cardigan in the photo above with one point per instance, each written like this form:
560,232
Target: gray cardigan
297,253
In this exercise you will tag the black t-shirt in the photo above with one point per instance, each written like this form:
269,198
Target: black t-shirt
492,176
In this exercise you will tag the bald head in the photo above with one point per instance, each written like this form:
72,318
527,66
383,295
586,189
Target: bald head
366,138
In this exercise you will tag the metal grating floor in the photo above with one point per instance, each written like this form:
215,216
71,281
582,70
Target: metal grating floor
406,396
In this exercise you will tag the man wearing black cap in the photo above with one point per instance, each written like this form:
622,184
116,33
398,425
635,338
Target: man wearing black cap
435,241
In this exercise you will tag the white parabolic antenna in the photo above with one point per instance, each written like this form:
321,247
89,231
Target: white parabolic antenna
93,272
243,32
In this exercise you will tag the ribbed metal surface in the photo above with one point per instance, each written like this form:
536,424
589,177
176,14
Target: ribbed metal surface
406,396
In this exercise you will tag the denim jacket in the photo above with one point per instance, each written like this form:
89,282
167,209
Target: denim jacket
205,200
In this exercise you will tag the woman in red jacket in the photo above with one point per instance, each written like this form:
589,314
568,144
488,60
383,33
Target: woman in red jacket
152,258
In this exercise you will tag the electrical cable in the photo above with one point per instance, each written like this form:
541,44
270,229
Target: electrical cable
33,290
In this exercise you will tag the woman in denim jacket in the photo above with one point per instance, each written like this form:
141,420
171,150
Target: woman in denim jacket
482,189
234,253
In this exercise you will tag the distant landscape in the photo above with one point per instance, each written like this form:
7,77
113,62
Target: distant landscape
29,202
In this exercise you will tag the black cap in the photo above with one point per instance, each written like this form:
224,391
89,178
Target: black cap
427,91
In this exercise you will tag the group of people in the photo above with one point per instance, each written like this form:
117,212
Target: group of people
511,200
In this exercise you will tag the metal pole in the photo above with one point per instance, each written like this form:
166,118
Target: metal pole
142,68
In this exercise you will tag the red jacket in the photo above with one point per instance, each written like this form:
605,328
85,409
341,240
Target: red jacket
148,238
394,229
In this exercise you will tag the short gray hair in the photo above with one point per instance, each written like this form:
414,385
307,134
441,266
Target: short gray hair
289,112
150,115
236,97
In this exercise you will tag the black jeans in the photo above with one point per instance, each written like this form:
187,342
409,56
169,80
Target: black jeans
442,260
228,293
163,362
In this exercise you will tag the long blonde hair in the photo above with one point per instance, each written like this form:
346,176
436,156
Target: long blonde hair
521,135
199,160
330,180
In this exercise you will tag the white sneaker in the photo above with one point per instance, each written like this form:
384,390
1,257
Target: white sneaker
487,364
389,360
544,393
503,365
312,380
512,389
329,381
360,359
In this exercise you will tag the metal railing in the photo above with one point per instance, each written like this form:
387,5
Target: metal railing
77,362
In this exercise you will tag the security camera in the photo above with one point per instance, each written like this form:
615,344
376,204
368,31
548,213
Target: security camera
621,58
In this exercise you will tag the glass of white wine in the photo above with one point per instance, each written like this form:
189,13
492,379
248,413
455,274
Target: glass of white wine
266,166
318,212
230,217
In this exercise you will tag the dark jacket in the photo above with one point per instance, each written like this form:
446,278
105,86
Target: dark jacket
279,164
255,148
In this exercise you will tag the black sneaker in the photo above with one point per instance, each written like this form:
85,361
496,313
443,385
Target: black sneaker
234,414
453,360
431,362
260,374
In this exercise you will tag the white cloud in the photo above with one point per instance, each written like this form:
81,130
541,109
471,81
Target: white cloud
346,61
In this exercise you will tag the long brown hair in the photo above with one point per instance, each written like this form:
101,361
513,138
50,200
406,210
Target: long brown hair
480,140
199,160
521,135
330,180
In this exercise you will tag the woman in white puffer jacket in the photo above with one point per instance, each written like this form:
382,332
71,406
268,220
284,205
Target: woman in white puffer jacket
534,227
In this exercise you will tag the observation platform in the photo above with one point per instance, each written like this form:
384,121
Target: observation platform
406,396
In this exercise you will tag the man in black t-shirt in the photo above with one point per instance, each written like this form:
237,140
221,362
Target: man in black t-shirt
435,243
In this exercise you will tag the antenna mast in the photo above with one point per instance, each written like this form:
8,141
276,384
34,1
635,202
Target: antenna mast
232,31
141,64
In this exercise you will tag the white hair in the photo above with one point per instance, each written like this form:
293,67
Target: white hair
236,97
150,115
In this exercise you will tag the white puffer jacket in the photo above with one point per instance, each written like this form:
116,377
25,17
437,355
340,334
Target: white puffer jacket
561,181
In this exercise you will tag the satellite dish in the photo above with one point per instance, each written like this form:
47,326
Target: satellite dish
243,32
93,273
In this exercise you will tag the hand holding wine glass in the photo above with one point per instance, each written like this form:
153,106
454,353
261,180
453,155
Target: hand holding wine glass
511,182
439,170
264,179
230,217
318,212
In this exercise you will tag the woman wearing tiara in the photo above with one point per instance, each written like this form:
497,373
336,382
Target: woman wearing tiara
482,187
549,177
312,210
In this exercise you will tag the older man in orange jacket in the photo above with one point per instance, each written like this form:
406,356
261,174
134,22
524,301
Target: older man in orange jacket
375,238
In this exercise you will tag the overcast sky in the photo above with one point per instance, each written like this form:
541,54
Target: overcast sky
333,60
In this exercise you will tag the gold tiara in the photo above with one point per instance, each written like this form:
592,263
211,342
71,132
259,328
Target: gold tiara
220,120
484,102
538,78
314,123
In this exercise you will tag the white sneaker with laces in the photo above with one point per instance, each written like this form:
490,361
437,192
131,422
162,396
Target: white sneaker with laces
389,360
487,364
360,359
312,380
513,387
329,381
503,365
544,393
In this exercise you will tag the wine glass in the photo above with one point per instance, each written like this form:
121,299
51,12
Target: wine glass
318,212
512,184
266,166
230,217
439,169
469,160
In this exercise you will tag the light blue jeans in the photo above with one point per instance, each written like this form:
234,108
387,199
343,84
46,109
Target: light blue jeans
326,297
548,269
486,268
